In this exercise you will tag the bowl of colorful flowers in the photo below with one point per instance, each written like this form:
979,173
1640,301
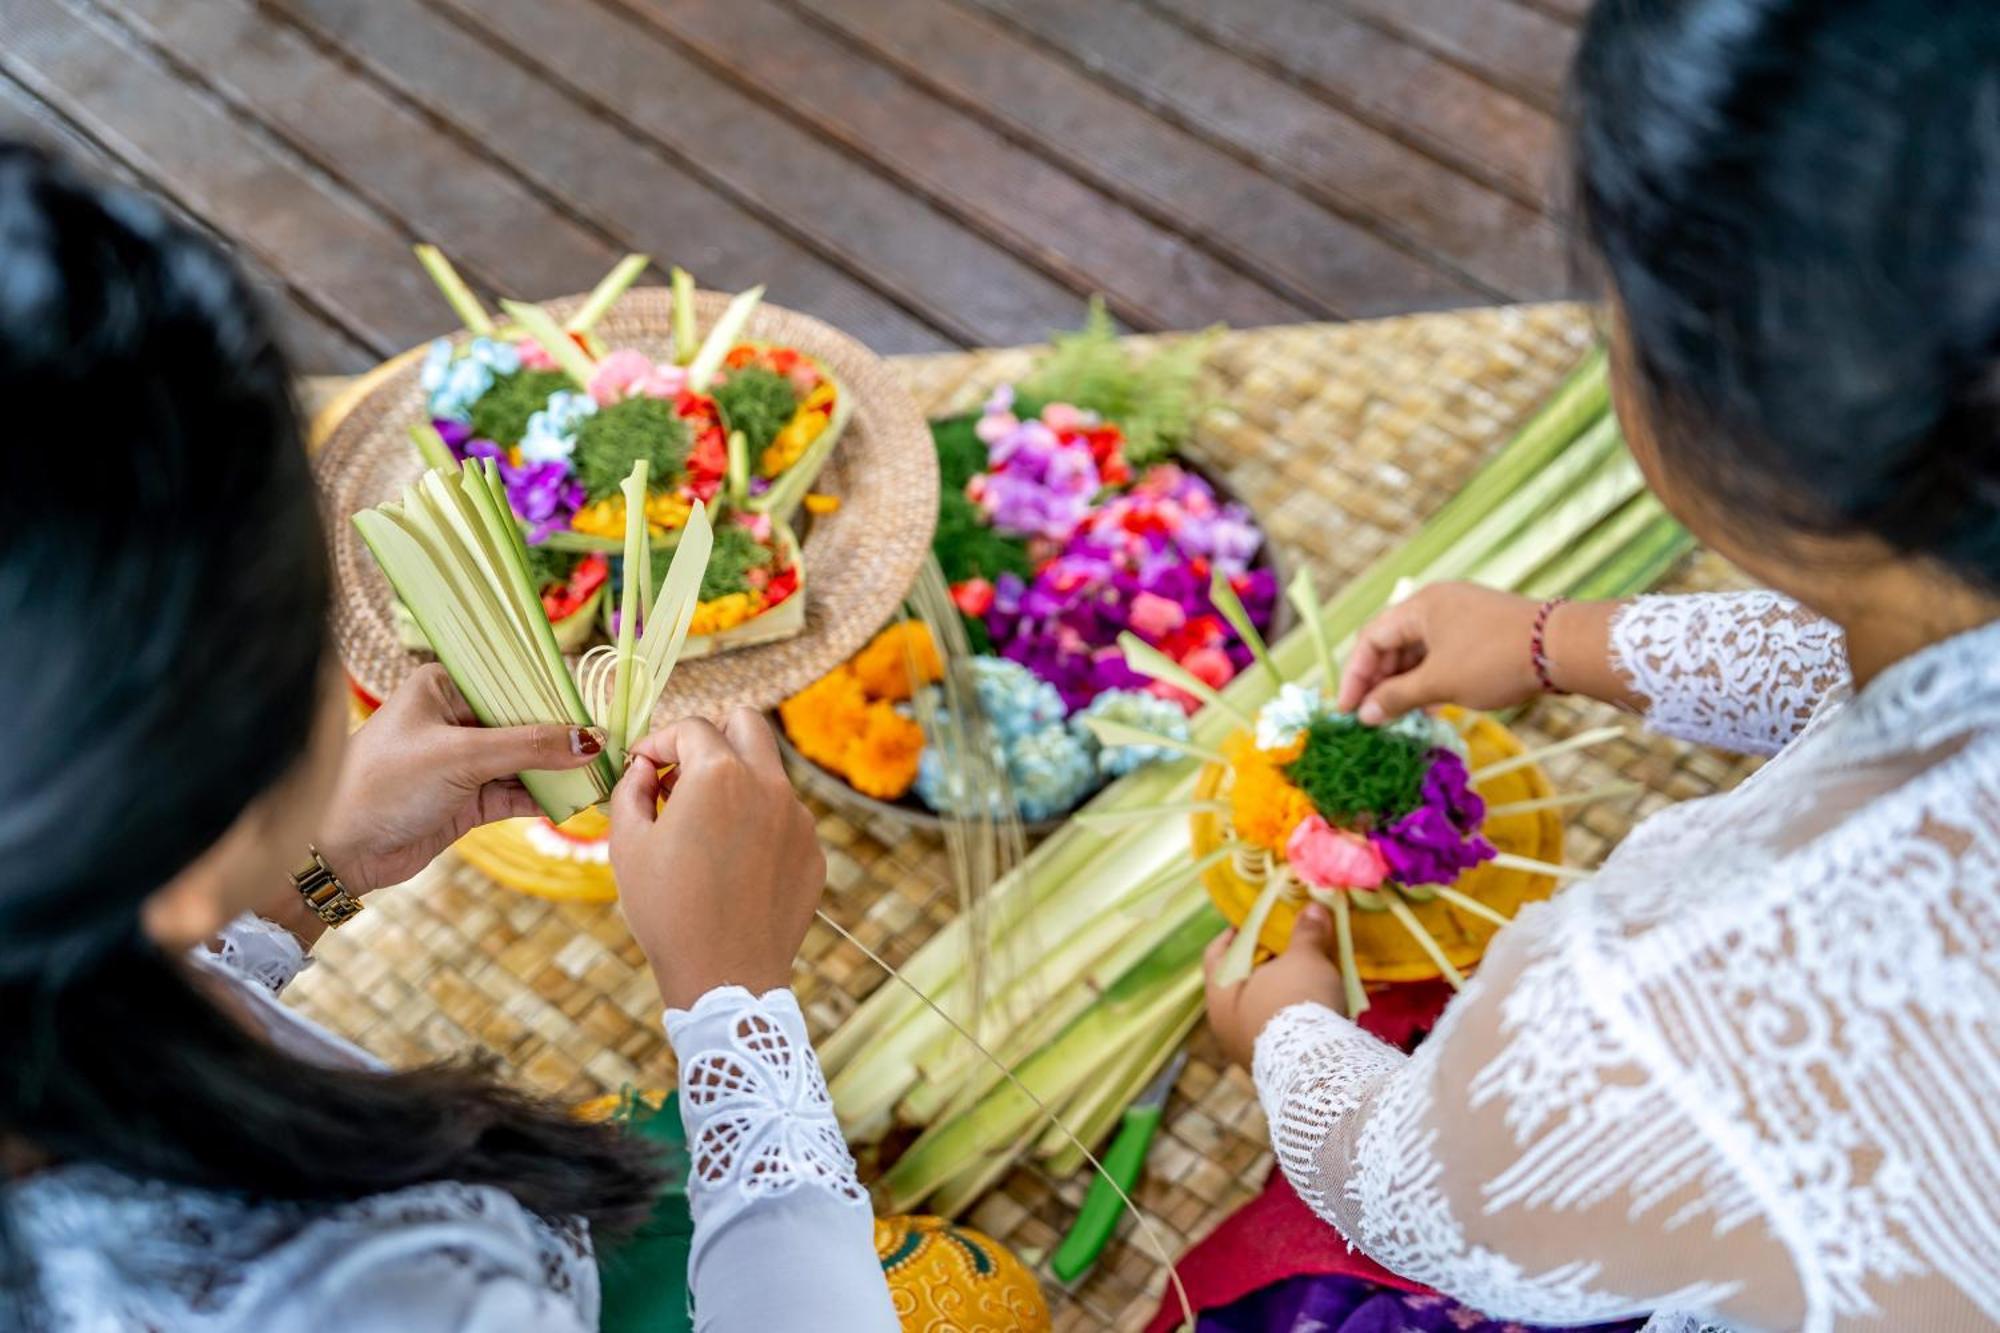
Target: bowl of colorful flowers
1068,517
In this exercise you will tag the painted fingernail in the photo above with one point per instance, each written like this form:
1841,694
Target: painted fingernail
586,741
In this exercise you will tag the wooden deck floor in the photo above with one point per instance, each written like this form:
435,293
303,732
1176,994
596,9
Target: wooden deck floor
925,173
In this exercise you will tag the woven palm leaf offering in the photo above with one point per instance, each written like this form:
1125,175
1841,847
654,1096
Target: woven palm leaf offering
737,425
1067,517
460,566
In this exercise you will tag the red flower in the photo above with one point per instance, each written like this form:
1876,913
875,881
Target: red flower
564,600
783,584
740,356
973,597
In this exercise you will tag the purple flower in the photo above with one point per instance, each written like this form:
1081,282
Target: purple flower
455,434
542,494
1448,787
1439,840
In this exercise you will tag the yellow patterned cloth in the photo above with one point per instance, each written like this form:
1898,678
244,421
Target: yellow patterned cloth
944,1278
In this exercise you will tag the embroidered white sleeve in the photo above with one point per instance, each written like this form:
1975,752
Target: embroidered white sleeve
1312,1068
1742,671
259,951
784,1236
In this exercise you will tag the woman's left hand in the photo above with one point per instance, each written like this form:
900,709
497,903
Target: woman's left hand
422,772
1305,972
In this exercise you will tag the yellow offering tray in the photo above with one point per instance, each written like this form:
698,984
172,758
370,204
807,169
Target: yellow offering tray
1384,950
570,861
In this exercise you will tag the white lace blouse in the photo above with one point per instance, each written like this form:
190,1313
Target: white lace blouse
1750,1071
783,1234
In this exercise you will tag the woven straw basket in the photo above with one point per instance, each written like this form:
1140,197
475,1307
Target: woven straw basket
860,559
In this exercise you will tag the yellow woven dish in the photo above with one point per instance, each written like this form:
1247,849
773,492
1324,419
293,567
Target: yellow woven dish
507,853
1383,950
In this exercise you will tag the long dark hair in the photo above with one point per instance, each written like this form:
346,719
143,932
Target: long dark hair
1798,203
164,589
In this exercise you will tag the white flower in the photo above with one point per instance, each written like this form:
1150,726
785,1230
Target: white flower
1280,721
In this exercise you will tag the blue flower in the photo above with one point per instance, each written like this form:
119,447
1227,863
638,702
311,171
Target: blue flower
1281,720
1135,708
551,433
502,358
1052,773
1015,700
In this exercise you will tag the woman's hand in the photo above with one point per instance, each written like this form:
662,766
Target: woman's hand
422,772
1454,643
1305,971
719,884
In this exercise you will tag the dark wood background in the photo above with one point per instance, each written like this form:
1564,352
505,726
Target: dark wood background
924,173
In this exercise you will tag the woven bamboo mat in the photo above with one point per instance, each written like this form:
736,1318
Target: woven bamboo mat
1344,437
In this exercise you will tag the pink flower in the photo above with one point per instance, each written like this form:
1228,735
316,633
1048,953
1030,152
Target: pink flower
628,372
1154,617
1328,858
1211,666
534,356
1062,418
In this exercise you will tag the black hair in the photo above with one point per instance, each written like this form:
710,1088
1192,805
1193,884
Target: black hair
1798,205
164,589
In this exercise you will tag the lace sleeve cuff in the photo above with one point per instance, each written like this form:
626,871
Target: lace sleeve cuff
1742,671
1313,1069
759,1120
259,951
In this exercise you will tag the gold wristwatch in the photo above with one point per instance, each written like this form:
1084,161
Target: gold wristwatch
324,893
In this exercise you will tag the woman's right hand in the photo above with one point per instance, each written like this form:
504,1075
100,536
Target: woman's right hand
719,884
1454,643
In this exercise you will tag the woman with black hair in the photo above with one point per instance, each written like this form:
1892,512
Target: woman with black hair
1750,1071
181,816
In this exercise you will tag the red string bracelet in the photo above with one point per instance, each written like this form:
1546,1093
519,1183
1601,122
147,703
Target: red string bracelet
1538,645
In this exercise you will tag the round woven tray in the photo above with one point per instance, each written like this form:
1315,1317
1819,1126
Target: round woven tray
909,812
1383,950
859,559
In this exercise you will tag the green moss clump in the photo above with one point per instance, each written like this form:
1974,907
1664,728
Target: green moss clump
968,548
547,565
613,438
730,561
757,402
1359,777
961,453
501,413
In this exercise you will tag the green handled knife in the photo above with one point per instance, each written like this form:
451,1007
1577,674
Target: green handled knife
1101,1207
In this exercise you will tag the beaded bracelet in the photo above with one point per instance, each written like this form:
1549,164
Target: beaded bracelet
1538,645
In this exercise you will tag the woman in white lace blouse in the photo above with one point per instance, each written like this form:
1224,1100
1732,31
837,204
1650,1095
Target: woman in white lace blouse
177,1149
1749,1072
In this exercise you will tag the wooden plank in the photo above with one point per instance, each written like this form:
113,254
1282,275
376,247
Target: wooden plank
1569,11
1319,257
313,343
1151,276
1399,88
352,264
430,186
934,265
1515,47
607,176
1402,194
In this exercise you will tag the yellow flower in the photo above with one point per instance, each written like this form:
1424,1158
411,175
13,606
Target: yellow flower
664,512
886,666
606,518
882,761
822,505
826,717
726,612
792,441
1263,804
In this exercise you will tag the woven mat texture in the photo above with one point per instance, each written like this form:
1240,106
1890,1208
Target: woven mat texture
1344,437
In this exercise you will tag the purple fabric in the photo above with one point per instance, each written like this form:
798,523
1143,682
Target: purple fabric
1355,1305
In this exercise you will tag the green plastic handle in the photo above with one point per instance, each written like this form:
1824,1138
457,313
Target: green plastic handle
1101,1207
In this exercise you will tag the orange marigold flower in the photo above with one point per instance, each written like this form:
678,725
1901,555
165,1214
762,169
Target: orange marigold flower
882,761
826,717
887,665
1263,804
